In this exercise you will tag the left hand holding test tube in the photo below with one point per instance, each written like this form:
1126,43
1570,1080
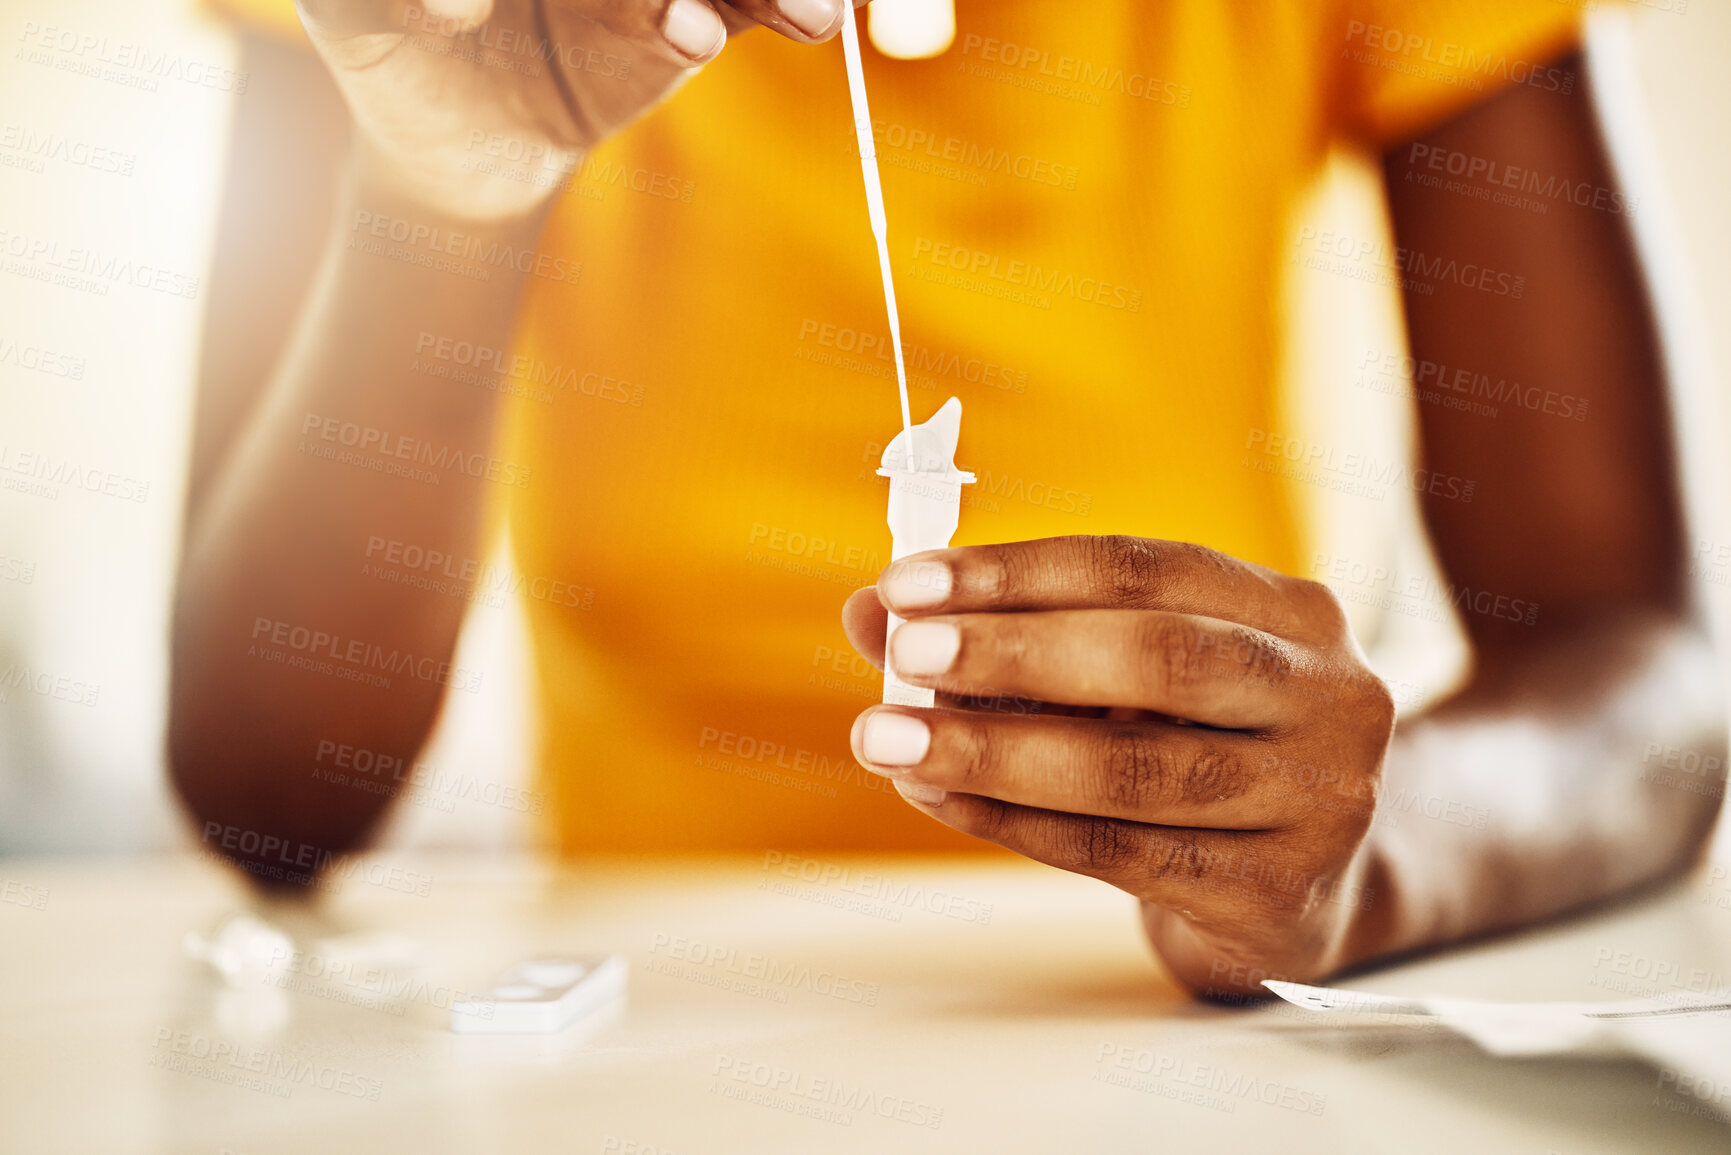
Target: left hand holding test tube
1217,753
1150,638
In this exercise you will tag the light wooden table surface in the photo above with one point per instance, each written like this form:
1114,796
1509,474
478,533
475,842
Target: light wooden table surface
871,1005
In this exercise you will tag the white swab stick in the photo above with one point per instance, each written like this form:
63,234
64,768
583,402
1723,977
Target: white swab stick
868,160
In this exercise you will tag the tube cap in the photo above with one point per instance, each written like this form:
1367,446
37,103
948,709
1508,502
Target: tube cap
928,450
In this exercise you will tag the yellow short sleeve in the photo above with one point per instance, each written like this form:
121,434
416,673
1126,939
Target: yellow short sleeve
272,17
1409,65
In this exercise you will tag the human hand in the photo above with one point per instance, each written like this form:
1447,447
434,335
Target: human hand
479,109
1227,777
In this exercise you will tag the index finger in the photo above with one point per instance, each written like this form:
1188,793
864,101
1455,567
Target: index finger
1114,572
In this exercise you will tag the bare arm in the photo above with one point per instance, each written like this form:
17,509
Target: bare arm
277,557
286,645
1559,743
1297,830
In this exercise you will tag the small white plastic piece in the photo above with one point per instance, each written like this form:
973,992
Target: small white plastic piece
542,996
244,949
912,29
925,507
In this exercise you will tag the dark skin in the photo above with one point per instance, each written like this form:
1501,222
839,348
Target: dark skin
1243,873
1227,742
274,534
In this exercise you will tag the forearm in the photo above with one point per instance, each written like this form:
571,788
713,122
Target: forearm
286,638
1591,764
1548,773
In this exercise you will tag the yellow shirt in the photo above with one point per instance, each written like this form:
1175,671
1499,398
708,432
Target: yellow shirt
1086,207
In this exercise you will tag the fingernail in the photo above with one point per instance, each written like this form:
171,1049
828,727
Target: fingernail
923,648
924,795
917,585
812,17
693,28
895,739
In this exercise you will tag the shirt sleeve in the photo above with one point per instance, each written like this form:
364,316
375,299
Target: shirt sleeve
1407,66
276,18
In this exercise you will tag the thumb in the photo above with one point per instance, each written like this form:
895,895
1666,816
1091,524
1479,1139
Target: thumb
866,621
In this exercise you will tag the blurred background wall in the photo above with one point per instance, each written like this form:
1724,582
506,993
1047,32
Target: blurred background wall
114,120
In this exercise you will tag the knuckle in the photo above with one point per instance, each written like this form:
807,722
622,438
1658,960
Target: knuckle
1143,774
1008,649
989,819
1374,705
1103,845
1172,858
1262,657
1129,568
991,574
1214,776
1133,774
1180,653
1249,653
1321,607
1171,650
976,755
1380,701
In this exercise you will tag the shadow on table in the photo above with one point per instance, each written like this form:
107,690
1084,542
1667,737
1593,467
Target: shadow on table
1596,1097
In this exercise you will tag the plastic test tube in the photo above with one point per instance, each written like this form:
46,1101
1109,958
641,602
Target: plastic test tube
925,507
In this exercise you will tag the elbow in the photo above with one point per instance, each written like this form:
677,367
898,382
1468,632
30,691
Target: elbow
245,763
